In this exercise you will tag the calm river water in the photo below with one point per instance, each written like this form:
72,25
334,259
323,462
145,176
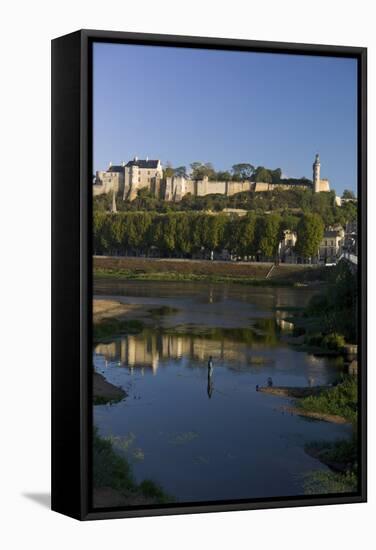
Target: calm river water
201,437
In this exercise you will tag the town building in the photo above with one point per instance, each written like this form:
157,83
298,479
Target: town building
286,247
332,244
330,248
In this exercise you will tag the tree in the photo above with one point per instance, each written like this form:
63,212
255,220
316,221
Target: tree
200,170
246,235
180,171
183,234
262,175
223,176
276,175
243,171
267,234
348,194
310,231
168,172
168,237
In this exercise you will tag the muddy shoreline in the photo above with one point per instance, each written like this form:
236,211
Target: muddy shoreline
104,392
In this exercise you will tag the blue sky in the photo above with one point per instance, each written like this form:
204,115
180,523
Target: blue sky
185,105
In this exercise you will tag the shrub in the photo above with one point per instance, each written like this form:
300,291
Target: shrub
341,400
333,341
314,339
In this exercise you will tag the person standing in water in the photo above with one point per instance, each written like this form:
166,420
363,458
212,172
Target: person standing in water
210,377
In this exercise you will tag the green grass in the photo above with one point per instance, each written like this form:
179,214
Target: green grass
321,483
343,453
109,468
341,400
111,327
112,470
173,276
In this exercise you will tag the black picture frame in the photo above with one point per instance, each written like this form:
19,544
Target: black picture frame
72,269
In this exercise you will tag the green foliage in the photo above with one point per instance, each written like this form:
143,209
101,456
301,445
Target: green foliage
110,327
263,175
336,309
348,194
112,470
243,171
287,202
333,341
181,234
150,489
200,170
341,400
342,453
327,482
268,234
310,231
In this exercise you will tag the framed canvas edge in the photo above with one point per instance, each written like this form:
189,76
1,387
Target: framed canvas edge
87,38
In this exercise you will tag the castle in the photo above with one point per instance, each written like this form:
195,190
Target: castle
128,178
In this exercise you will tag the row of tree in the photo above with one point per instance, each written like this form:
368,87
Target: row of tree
184,234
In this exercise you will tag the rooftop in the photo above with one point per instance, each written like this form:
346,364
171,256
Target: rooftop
143,163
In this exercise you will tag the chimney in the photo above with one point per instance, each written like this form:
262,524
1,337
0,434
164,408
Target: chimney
147,158
110,164
135,159
123,163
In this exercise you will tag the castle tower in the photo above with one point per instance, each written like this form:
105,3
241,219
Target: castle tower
316,174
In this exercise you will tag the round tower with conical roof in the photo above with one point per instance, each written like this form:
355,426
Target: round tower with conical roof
316,174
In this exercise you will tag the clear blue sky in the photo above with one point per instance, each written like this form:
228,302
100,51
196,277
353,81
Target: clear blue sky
184,105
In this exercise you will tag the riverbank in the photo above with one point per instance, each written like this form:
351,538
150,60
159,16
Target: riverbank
337,404
250,273
113,482
104,392
287,391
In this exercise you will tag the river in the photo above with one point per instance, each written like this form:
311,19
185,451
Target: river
211,436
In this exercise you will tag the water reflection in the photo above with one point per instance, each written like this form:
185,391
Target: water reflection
191,392
238,350
149,348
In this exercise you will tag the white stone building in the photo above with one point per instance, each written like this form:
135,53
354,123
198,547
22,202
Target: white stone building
142,173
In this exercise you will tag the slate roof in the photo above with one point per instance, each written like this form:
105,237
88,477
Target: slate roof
143,163
331,233
116,168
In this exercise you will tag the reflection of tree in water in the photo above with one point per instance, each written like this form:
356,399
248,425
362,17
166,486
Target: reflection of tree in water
151,346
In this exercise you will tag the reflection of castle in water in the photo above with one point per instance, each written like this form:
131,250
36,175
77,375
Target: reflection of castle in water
237,349
149,349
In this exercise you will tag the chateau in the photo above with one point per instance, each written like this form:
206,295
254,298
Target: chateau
128,178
